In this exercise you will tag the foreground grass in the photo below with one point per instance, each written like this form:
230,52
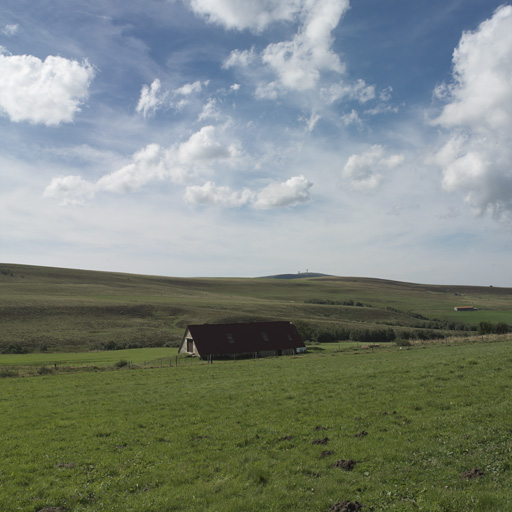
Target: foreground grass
81,359
238,436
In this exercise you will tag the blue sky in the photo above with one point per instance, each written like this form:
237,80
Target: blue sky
236,138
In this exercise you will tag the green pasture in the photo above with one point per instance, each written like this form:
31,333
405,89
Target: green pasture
100,358
265,435
66,310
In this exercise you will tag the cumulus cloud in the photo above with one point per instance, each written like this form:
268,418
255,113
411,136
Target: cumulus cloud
292,192
151,98
478,117
46,92
240,15
364,171
211,194
153,163
70,190
296,64
205,145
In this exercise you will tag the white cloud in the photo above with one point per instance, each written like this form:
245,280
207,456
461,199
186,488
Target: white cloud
351,118
153,163
210,111
299,62
205,145
188,89
296,64
240,58
313,120
292,192
478,116
211,194
46,92
71,190
358,91
240,15
151,98
154,97
10,30
364,171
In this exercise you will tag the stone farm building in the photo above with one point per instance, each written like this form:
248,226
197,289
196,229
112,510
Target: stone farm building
258,339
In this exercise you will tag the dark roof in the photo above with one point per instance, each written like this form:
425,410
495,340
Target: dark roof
246,337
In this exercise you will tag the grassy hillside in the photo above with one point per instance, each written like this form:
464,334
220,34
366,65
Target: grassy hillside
64,309
421,429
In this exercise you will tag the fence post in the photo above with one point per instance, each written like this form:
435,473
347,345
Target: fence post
176,361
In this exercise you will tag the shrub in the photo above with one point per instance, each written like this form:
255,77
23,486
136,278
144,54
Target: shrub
402,343
485,328
122,363
6,372
15,348
501,328
44,370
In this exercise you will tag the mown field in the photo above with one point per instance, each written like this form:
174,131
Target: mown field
266,434
73,310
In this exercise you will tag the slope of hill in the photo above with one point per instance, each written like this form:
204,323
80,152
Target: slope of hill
299,275
64,309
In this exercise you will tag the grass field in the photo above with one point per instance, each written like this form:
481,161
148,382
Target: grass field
73,310
260,435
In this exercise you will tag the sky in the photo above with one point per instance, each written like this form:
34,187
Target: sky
243,138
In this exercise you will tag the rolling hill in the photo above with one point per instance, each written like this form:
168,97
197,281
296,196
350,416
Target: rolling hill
65,309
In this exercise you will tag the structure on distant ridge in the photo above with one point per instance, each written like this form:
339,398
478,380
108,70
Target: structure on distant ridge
464,308
258,339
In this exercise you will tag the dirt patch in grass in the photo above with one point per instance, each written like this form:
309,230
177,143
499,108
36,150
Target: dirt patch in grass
345,464
363,433
319,427
472,473
325,440
286,438
346,506
326,453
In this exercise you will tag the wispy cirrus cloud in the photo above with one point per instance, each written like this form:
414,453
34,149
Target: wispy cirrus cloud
155,97
151,98
10,29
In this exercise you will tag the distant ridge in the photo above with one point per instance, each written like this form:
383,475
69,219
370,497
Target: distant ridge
302,275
